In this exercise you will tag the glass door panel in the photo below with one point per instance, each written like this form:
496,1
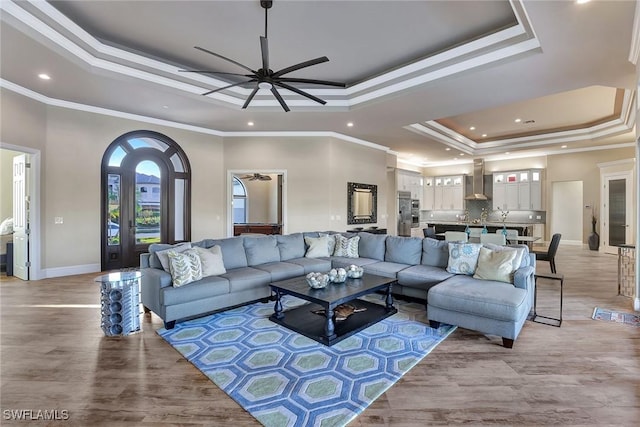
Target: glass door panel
617,212
147,203
113,210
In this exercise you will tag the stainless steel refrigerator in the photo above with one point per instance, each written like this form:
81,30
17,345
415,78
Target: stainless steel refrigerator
404,213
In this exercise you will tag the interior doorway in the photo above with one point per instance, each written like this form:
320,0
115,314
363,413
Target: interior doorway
617,210
29,263
256,202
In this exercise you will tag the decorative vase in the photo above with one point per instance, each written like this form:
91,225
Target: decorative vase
484,230
504,230
467,230
594,239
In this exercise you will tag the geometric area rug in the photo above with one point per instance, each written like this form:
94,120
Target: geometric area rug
285,379
616,316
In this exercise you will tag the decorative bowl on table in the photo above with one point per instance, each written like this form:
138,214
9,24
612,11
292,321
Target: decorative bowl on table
354,271
317,280
337,275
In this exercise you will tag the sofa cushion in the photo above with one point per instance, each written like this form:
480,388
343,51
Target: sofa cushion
347,247
185,267
331,239
435,253
422,276
404,250
344,262
290,246
158,254
205,288
232,252
372,246
320,265
496,265
281,270
261,250
385,269
242,279
490,299
211,260
463,257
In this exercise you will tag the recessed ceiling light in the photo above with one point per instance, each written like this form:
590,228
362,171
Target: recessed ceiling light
165,106
44,76
447,149
350,124
249,123
506,152
472,128
564,146
484,135
455,158
517,120
461,154
582,1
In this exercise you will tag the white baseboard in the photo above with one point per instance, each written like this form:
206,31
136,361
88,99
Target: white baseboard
636,304
571,242
71,270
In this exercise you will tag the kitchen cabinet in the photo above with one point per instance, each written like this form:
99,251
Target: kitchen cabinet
428,194
517,190
448,192
410,181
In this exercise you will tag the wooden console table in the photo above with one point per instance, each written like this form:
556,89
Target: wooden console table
255,228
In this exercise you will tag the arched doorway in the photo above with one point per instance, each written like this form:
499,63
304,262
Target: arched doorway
146,197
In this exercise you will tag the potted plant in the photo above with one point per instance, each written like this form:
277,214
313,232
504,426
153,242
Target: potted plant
594,238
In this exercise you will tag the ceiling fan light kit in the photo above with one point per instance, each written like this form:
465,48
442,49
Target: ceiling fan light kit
265,77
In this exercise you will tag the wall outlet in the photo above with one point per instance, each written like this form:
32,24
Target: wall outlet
58,220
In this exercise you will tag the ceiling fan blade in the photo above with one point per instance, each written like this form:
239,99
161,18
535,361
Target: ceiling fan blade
215,72
226,59
279,98
251,95
264,47
264,178
312,81
301,92
226,87
301,65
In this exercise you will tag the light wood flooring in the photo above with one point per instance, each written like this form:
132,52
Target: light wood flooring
54,356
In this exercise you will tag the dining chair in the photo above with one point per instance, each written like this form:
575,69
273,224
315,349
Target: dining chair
495,238
550,253
429,232
455,236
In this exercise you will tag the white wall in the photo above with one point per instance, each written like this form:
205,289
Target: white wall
566,216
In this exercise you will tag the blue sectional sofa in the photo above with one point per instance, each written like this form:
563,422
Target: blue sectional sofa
418,264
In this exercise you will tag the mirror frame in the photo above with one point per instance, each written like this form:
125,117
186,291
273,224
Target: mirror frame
352,187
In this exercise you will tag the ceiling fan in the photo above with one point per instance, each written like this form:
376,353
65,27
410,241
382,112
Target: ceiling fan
266,78
256,177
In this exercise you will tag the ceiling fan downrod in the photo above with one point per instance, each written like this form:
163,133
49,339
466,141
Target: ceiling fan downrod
266,5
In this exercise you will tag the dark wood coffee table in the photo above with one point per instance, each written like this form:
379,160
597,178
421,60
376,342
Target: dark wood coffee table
325,329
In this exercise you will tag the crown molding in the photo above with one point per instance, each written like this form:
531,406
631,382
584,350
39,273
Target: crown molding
177,125
76,42
634,50
624,123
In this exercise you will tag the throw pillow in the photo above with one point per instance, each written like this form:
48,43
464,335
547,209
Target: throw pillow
495,265
332,242
211,260
318,247
521,252
463,258
185,267
163,255
346,247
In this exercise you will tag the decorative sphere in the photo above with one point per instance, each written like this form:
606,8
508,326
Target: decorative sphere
354,271
317,280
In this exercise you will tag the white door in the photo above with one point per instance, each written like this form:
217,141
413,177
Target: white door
21,217
617,211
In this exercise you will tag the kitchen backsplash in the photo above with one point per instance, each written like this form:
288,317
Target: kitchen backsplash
475,210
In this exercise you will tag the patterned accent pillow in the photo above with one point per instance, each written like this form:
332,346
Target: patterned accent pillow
332,241
163,256
463,258
495,265
346,247
185,267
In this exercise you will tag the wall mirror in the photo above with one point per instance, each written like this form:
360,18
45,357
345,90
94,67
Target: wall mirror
362,203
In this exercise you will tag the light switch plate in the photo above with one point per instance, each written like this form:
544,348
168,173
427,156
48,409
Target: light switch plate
58,220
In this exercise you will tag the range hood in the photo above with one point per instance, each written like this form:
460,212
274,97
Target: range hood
478,181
